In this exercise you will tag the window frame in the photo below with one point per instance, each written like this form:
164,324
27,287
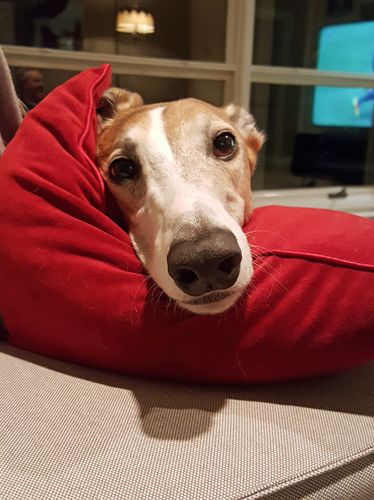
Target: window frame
237,73
358,200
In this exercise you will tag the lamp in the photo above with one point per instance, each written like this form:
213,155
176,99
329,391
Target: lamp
135,21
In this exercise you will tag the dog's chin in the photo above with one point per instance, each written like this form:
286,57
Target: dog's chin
213,303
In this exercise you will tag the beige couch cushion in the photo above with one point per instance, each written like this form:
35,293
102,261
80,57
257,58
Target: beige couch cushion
68,432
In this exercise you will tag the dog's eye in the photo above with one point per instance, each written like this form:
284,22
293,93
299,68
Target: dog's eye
123,169
224,145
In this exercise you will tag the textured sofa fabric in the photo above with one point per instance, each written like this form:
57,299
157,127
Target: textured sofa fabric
69,433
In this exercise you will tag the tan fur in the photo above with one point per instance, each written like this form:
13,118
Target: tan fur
182,185
130,111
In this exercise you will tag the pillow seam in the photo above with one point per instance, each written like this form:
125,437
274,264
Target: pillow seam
318,258
87,126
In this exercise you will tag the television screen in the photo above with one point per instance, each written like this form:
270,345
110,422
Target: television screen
349,48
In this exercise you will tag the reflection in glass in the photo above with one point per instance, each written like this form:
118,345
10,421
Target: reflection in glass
302,151
186,29
135,21
323,34
152,89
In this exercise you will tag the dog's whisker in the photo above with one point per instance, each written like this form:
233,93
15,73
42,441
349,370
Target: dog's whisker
270,270
241,366
156,289
151,290
143,281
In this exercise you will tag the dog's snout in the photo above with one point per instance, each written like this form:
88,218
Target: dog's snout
211,262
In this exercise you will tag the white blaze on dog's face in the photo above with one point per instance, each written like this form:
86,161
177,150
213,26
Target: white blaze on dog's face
180,171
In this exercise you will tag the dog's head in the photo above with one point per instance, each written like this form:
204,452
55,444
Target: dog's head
180,171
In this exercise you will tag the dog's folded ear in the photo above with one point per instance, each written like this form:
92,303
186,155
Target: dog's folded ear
246,125
115,100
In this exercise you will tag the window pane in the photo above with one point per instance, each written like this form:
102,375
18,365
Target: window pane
154,89
334,35
33,83
316,136
90,25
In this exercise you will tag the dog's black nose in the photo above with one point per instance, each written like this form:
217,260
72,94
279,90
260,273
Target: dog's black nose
210,262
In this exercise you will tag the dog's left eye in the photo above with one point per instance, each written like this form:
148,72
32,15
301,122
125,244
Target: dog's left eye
123,169
224,145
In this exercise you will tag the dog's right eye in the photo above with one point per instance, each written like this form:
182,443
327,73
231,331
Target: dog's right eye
224,145
123,169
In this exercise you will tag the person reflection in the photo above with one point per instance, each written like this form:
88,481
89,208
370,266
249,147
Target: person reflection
30,86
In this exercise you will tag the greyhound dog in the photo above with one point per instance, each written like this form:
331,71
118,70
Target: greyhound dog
181,173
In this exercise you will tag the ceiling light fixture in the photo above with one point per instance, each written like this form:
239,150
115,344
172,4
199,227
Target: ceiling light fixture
135,21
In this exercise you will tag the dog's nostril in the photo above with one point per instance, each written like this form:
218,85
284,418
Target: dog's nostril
227,265
186,276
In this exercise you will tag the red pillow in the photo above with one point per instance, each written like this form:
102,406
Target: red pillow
72,287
